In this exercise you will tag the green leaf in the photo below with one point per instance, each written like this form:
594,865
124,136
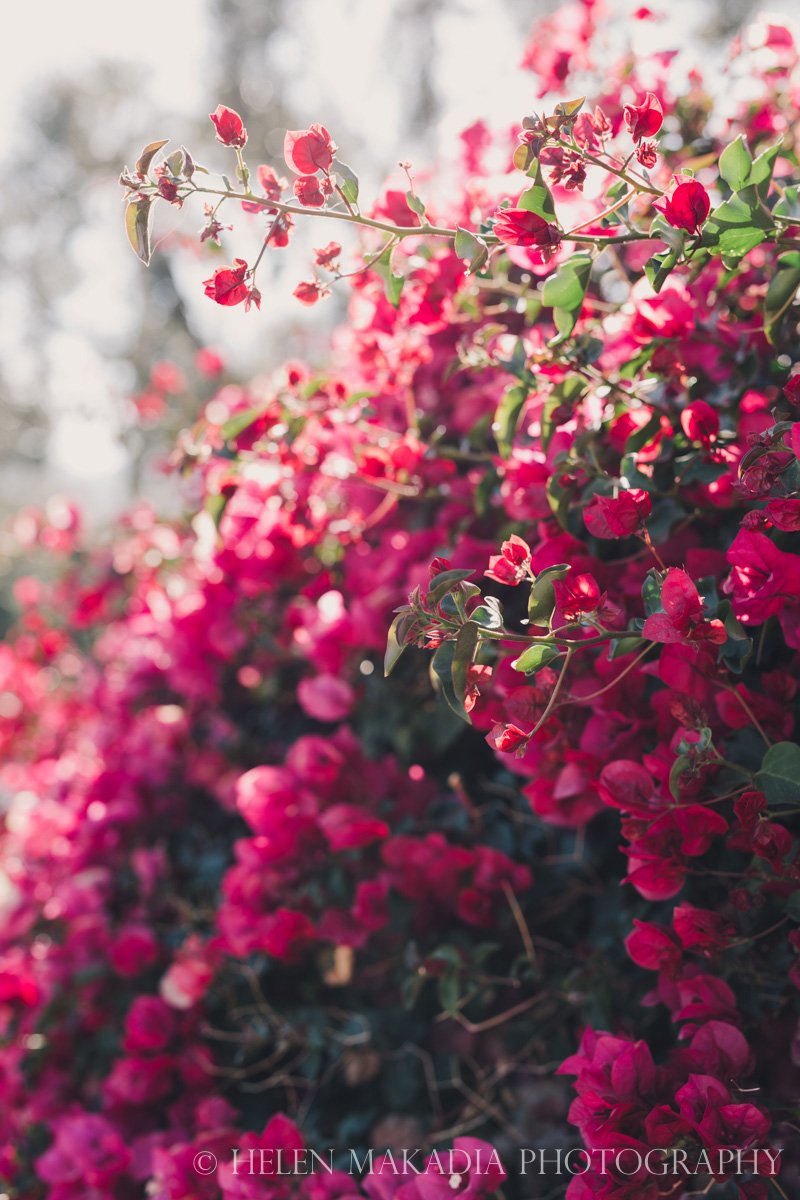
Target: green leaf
565,291
789,203
488,615
735,243
536,657
394,645
175,162
567,287
239,422
779,777
742,211
659,268
471,248
651,592
466,645
507,416
781,292
621,647
542,598
442,676
538,198
392,284
415,204
444,582
449,992
735,164
764,165
681,765
138,220
347,180
148,154
569,109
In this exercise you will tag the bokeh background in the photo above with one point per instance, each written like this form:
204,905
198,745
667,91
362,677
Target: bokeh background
86,84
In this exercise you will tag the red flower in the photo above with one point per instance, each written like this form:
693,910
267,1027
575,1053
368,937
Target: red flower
169,191
700,422
575,596
791,390
308,150
229,126
511,565
784,514
271,184
701,929
506,738
519,227
764,581
653,948
687,206
647,154
626,785
328,255
310,291
307,190
617,516
645,119
682,618
227,285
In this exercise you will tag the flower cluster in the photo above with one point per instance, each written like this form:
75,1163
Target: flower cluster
255,895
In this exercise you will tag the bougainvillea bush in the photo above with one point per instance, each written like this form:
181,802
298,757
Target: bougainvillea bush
531,892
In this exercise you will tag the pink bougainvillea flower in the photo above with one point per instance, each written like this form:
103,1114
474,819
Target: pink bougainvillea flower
576,595
227,285
764,581
617,516
308,150
229,126
784,514
507,738
645,119
519,227
310,291
328,256
700,422
511,565
686,206
682,619
791,389
326,697
647,154
472,1169
653,948
700,929
627,785
308,191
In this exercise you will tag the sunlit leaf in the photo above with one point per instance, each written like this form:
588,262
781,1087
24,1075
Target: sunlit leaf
138,219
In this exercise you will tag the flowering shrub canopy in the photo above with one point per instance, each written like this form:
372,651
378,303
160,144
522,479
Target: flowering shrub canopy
258,896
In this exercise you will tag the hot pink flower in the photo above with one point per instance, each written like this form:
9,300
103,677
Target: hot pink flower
700,422
229,126
617,516
645,119
227,285
682,619
511,565
687,205
308,150
519,227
